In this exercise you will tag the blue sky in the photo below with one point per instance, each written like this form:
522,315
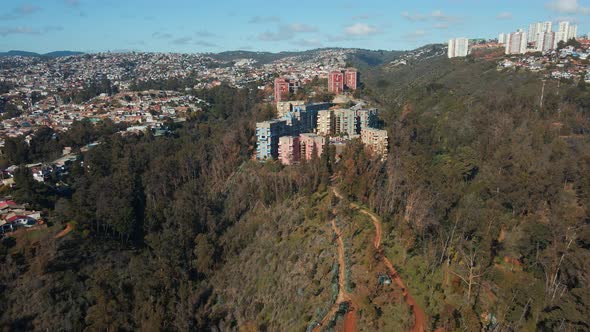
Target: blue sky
214,26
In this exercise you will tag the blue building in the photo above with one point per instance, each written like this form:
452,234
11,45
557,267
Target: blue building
267,138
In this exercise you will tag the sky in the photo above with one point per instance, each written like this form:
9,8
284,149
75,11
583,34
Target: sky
194,26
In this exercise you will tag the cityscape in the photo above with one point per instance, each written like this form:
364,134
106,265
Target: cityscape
310,166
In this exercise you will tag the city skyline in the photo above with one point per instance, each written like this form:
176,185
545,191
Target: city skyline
182,26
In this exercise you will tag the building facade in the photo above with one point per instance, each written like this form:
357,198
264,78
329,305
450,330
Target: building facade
366,118
336,82
311,145
516,43
281,88
458,47
565,32
339,80
284,107
375,140
267,138
351,78
345,122
289,150
325,123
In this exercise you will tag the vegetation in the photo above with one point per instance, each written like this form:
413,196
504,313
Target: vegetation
483,198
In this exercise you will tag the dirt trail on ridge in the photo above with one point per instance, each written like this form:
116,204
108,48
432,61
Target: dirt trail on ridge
343,295
419,315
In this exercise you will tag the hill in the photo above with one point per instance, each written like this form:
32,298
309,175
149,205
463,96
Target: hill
481,209
54,54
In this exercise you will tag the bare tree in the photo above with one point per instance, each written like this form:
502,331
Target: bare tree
471,271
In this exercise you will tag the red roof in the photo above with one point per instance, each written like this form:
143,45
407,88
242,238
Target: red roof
6,203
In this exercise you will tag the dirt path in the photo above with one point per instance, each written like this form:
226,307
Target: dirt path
419,315
64,232
343,295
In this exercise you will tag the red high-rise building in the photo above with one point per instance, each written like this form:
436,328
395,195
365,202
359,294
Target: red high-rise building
351,79
336,82
281,89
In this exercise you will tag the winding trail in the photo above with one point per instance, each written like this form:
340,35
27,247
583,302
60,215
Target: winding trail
343,295
419,315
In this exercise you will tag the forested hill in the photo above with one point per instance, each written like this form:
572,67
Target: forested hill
482,199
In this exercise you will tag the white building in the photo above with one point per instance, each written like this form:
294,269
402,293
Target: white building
516,43
458,47
565,32
537,28
545,41
502,38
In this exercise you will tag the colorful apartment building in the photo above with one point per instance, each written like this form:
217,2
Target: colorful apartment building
283,87
267,138
336,82
309,144
284,107
345,122
325,123
340,80
376,141
367,118
351,76
289,150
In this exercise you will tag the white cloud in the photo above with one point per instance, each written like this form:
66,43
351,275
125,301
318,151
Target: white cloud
298,27
436,15
504,16
441,26
413,17
360,29
567,7
287,32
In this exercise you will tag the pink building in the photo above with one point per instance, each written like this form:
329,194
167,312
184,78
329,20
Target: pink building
309,143
289,150
336,82
281,89
351,79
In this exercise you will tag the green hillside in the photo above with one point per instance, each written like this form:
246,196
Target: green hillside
482,206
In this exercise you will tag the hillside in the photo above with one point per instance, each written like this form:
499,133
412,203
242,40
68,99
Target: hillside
477,220
54,54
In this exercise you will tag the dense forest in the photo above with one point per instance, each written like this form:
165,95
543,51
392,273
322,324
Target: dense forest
483,199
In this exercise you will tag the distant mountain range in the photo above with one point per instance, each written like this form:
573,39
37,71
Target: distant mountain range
33,54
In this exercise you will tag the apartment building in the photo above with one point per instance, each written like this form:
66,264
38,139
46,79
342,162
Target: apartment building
565,32
366,118
289,150
458,47
375,140
345,122
340,80
283,87
267,138
516,43
310,145
351,78
284,107
325,123
336,82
